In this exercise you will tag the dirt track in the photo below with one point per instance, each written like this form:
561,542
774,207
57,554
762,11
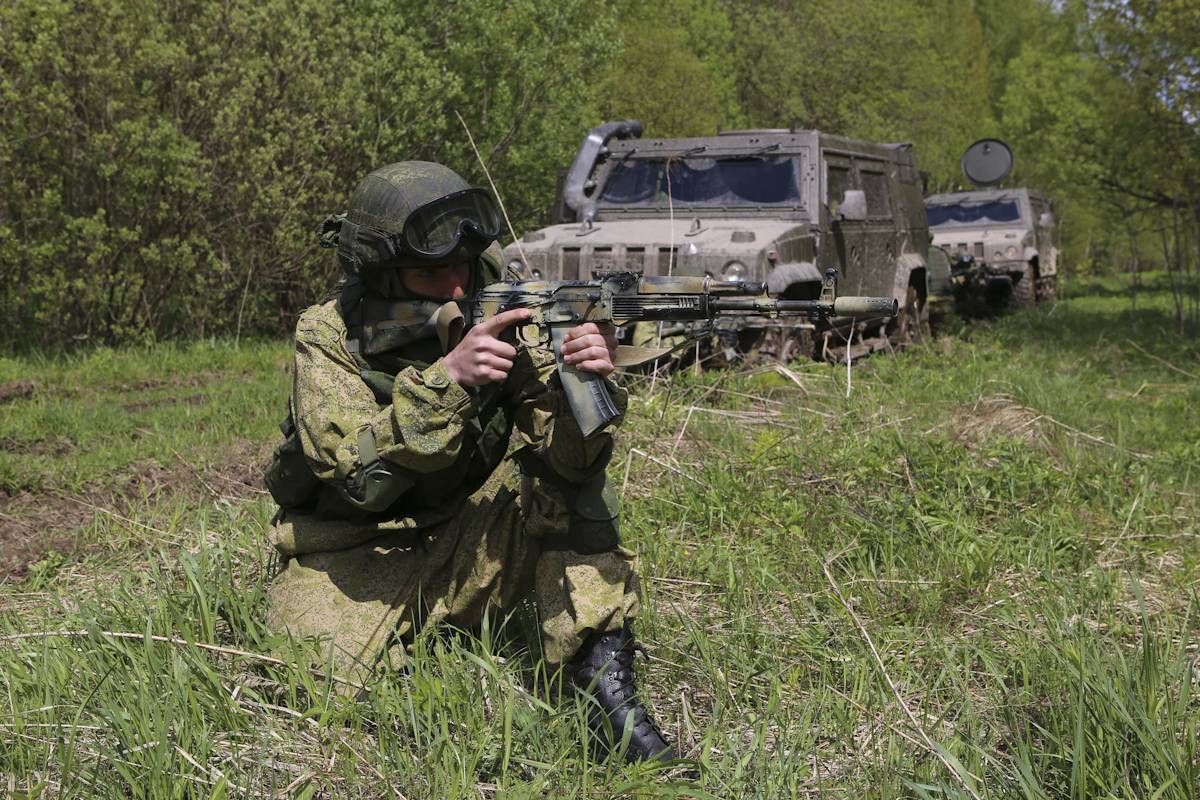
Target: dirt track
35,523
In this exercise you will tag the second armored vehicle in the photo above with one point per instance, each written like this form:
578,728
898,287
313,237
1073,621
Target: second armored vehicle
993,247
1000,243
778,206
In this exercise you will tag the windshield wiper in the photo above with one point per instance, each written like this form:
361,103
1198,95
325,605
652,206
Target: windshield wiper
766,149
700,148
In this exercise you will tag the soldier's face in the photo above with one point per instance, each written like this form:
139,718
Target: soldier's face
442,282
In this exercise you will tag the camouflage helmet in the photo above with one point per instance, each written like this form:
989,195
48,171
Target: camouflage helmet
410,214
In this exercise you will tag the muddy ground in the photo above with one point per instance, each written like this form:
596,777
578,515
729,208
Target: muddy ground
33,525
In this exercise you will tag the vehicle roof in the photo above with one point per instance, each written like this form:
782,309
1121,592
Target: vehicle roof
780,142
980,196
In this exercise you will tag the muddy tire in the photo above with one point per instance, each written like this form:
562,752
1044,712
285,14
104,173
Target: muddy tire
1024,290
778,345
912,324
801,346
1047,288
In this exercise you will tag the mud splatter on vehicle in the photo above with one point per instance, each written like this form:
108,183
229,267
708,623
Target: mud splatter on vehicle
996,245
779,206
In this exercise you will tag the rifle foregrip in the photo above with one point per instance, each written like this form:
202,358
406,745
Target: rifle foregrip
587,392
865,307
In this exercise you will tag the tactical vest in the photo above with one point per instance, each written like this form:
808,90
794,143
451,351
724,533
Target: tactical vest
384,337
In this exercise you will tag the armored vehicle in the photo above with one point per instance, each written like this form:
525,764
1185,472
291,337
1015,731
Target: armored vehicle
1000,243
780,206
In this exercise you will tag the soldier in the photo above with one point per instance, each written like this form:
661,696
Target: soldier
429,476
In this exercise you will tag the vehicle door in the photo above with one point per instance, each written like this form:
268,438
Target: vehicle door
880,233
849,236
938,263
1043,220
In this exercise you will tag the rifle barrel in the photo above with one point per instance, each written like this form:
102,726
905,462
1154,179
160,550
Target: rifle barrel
840,307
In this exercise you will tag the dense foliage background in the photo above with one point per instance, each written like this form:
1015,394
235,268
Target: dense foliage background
162,165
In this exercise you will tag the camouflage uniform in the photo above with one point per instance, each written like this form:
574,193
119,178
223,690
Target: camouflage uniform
500,496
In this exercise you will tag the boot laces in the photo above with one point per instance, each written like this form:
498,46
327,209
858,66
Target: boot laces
616,679
625,683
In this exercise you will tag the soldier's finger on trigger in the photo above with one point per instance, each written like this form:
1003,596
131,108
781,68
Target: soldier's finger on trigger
496,362
502,320
497,347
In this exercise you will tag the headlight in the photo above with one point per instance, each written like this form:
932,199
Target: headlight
997,255
1011,252
734,271
517,267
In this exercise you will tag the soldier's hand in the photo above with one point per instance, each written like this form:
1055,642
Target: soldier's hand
481,357
591,347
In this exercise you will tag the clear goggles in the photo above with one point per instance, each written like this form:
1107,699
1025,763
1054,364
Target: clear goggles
436,229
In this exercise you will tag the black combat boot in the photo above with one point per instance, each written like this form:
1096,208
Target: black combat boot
603,670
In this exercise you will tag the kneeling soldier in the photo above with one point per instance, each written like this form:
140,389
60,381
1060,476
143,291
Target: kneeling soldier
432,474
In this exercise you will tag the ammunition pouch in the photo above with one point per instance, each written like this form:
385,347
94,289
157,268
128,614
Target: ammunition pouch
288,477
579,517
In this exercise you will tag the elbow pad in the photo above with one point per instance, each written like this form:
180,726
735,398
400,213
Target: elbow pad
375,486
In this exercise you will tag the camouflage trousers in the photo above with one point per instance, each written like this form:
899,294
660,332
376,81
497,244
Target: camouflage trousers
367,588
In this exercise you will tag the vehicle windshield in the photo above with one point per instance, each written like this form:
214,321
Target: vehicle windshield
710,181
973,213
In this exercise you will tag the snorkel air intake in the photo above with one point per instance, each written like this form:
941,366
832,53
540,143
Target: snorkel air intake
590,152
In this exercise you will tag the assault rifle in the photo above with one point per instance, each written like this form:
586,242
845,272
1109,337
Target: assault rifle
623,298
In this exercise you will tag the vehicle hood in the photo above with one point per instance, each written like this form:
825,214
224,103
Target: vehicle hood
701,245
989,243
709,232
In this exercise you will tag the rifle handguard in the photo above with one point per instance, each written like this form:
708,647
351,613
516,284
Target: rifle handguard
865,307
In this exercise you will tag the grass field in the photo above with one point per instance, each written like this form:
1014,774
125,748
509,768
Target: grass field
972,573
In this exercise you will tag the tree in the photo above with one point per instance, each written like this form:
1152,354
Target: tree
1150,49
164,167
672,71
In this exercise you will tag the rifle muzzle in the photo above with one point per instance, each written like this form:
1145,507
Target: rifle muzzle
865,307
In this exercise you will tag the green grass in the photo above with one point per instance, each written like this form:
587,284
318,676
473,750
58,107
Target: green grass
1007,517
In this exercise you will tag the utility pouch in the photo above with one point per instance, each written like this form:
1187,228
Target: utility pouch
593,526
580,517
288,477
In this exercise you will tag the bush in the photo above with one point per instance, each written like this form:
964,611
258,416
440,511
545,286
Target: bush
162,168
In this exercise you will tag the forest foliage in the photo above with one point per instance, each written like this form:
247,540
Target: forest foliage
163,166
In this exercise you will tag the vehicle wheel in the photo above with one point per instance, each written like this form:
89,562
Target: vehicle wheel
1047,288
1023,290
797,346
779,346
785,346
912,324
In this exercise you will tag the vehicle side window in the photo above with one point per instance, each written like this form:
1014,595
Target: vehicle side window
875,184
838,183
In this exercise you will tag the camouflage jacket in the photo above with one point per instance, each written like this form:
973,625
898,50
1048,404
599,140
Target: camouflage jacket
428,442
